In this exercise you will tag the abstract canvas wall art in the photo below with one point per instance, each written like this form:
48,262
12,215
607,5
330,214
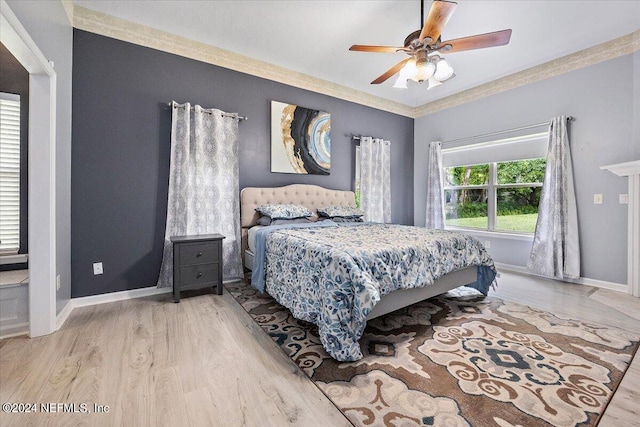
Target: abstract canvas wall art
300,140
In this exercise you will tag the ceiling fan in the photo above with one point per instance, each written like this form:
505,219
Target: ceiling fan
423,47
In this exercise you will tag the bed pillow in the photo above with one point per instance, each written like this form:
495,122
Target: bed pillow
340,211
280,211
265,220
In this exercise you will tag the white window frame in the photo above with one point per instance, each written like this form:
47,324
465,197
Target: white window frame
492,188
492,152
8,143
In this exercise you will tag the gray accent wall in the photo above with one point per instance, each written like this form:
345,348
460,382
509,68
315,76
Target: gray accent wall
48,25
121,142
604,99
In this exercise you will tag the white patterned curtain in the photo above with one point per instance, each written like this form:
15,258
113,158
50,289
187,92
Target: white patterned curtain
556,247
203,184
375,179
435,187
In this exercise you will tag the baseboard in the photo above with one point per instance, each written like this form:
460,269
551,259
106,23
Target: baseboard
105,298
64,314
618,287
110,297
15,331
117,296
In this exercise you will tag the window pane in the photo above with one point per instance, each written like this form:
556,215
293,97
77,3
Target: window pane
525,171
466,208
467,175
518,209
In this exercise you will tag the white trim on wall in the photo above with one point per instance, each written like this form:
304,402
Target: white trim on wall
42,160
632,171
121,29
618,287
608,50
15,331
113,297
64,314
118,296
106,298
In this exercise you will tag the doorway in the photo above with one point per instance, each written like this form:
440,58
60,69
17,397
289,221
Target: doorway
42,143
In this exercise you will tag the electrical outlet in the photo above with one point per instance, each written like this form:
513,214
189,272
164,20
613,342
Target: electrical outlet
487,244
624,199
97,268
58,282
597,199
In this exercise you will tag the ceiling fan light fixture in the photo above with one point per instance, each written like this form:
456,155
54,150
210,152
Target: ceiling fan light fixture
424,70
432,82
423,44
443,71
401,83
409,70
406,72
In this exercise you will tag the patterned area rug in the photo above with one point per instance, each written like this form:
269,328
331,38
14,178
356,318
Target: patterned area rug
460,360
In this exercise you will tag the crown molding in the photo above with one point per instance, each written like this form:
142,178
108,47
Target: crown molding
68,8
121,29
609,50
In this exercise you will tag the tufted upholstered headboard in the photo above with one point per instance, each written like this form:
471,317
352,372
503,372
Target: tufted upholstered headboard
310,196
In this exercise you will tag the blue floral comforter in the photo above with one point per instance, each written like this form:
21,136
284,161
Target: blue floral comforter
333,275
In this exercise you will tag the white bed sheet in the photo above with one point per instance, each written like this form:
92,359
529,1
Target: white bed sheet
252,237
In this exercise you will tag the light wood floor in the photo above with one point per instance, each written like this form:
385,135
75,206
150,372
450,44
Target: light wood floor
204,362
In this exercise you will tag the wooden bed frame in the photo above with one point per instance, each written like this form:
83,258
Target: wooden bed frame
314,197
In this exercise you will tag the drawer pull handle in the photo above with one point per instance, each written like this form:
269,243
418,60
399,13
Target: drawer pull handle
199,254
199,275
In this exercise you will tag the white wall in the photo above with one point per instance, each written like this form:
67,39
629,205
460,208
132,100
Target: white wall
602,99
48,25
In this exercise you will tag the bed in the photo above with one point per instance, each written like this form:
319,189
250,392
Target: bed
338,276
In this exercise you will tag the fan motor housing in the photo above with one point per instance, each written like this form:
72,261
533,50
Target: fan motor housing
412,37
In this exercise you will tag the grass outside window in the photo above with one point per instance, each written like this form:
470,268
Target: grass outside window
500,196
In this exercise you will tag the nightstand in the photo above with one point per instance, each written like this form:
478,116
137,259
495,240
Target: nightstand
197,262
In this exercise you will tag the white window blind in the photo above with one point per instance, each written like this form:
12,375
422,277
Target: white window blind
531,146
9,173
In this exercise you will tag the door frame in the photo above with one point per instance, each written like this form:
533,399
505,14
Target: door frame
42,171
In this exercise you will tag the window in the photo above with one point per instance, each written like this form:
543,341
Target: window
466,196
495,185
9,173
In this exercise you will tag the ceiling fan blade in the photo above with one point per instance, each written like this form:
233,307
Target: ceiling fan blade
390,72
381,49
438,17
480,41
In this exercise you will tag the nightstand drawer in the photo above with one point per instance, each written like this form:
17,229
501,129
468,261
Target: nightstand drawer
198,274
199,253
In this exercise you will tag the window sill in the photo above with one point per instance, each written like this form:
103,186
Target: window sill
494,234
13,259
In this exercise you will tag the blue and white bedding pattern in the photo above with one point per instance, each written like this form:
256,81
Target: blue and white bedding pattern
333,275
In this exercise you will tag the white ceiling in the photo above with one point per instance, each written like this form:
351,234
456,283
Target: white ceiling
313,37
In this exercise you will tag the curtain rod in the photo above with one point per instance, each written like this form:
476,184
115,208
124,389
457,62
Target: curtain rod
234,115
468,138
358,138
